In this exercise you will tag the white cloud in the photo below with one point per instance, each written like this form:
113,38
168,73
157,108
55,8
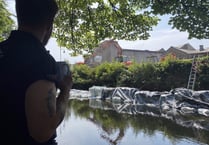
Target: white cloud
163,38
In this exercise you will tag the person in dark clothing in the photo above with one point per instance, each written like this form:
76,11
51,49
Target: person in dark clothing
33,102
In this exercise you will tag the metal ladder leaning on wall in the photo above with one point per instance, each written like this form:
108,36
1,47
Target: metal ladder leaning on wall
193,72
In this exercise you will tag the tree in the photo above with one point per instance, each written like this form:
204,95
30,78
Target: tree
186,15
81,25
6,23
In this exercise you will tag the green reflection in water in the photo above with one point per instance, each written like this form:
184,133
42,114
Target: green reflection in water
111,122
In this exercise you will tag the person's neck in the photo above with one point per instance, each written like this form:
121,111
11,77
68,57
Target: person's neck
38,33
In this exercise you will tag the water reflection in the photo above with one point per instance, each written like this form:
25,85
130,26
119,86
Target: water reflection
95,122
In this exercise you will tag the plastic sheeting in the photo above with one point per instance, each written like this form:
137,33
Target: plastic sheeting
186,107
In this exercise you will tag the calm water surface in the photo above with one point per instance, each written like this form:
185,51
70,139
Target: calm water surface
85,125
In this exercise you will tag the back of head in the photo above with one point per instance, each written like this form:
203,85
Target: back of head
35,12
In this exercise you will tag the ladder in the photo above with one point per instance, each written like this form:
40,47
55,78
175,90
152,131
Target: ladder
193,72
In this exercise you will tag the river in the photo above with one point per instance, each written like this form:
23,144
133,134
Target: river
97,122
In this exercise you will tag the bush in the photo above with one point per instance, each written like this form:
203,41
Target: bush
108,74
162,76
82,77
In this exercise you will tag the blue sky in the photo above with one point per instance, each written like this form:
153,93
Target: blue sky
162,36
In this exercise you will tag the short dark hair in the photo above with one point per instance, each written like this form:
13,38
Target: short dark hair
35,12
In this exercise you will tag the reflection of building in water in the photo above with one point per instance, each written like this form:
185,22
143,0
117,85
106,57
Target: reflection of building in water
111,127
115,141
107,133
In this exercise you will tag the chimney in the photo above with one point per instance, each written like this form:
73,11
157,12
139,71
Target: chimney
201,47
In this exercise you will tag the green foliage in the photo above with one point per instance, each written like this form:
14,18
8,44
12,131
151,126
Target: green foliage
108,73
81,25
82,77
168,58
152,76
174,71
146,76
186,15
162,76
125,79
175,74
6,23
203,74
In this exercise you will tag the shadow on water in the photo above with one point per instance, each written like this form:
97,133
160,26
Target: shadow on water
114,125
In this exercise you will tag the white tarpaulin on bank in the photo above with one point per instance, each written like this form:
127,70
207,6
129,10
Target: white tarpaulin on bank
185,107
